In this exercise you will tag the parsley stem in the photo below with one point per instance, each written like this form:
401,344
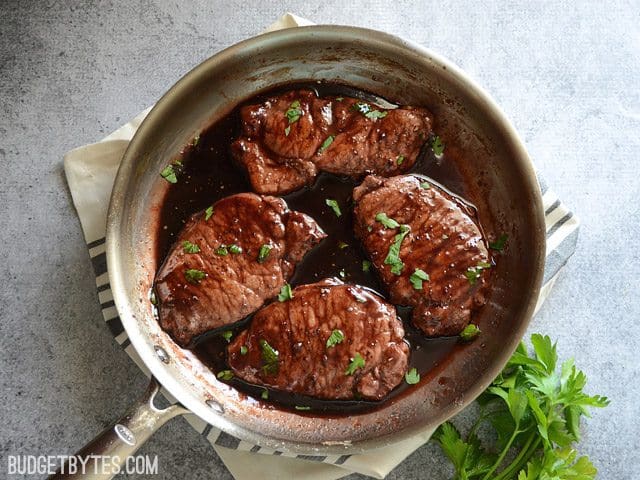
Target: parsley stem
503,453
528,449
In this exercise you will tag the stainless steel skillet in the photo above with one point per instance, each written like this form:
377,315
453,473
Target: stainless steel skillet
501,181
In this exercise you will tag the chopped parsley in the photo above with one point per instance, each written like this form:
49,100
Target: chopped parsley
326,143
264,253
285,293
194,276
195,141
265,394
473,273
437,146
169,174
366,110
342,245
386,221
336,337
208,213
269,358
393,257
334,206
399,159
302,407
339,99
417,277
189,247
366,265
227,335
412,377
222,250
425,185
225,375
470,332
287,130
233,248
243,350
356,362
342,274
499,243
294,112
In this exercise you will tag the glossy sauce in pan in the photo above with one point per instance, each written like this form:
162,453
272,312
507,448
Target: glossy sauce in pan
209,174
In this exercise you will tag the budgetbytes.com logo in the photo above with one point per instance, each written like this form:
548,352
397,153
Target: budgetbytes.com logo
84,465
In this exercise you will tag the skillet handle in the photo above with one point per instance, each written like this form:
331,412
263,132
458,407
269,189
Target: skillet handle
105,455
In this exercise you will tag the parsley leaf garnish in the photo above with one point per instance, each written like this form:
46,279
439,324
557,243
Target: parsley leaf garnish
265,394
194,276
399,159
235,249
412,377
225,375
189,247
386,221
326,143
342,245
287,130
334,206
269,358
285,293
366,265
473,273
393,257
437,146
470,332
169,174
243,350
208,213
417,277
294,112
264,253
335,338
499,243
425,185
227,335
534,411
222,250
366,110
356,362
302,407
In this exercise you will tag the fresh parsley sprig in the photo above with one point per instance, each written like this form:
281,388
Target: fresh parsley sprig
535,413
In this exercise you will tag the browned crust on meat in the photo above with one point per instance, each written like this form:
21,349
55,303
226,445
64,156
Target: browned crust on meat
444,241
299,328
235,285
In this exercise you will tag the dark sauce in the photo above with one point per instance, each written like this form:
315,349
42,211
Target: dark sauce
208,173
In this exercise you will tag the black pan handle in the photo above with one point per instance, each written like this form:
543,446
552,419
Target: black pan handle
107,454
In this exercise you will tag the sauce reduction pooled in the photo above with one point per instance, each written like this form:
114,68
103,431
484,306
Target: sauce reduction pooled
209,173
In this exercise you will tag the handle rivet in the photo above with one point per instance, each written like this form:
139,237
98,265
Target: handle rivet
125,434
216,406
162,354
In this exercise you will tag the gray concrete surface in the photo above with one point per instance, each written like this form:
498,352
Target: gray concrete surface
568,76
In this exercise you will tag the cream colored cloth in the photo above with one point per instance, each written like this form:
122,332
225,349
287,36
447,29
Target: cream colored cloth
90,172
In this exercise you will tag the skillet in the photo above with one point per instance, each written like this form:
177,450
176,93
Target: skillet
497,166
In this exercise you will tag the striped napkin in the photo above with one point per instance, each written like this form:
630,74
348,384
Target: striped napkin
90,172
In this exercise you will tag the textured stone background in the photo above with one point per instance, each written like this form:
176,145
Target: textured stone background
70,72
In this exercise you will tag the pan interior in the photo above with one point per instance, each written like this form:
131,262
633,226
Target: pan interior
508,200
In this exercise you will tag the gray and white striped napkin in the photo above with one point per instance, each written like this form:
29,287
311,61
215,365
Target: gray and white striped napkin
90,172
